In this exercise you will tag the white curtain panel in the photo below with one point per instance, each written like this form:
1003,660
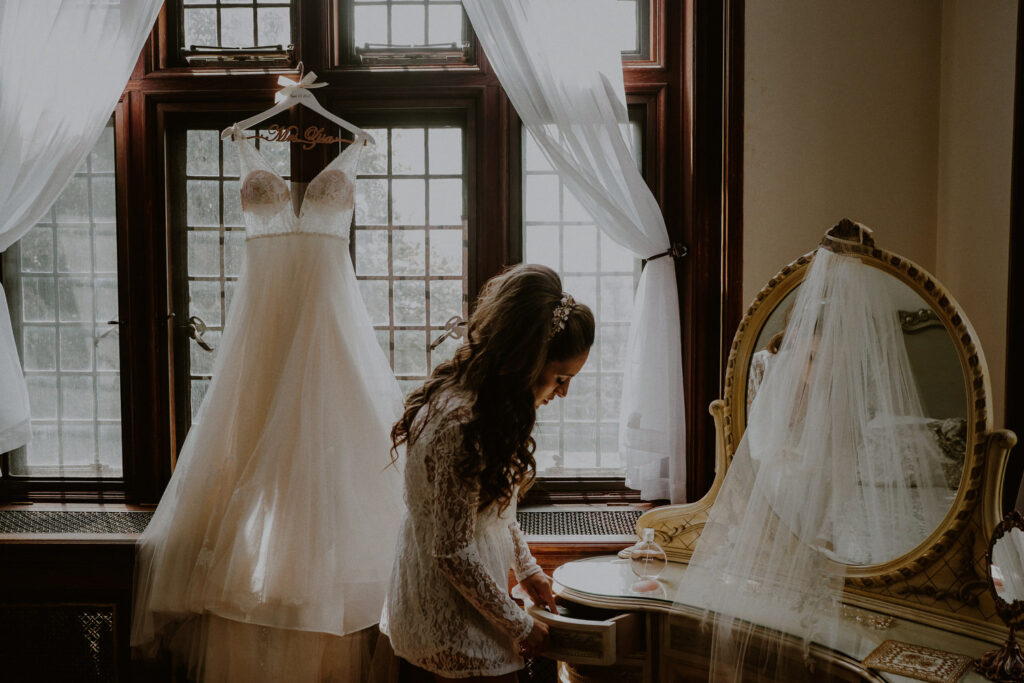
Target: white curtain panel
560,64
63,66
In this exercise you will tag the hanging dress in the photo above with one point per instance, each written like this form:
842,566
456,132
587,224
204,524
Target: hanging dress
276,534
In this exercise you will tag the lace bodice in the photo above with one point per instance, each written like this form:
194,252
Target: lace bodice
326,207
448,608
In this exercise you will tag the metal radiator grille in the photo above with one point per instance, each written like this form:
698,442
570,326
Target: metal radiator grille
58,642
579,522
534,523
65,522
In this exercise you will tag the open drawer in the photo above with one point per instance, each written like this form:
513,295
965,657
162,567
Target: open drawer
586,635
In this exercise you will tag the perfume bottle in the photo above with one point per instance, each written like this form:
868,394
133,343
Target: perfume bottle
648,560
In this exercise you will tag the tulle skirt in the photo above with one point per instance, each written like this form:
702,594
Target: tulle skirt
275,537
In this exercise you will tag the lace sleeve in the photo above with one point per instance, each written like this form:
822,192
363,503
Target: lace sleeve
455,512
526,565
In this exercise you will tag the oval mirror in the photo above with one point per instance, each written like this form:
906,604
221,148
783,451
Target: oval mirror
941,385
952,415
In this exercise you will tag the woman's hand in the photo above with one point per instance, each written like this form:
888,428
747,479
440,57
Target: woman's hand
536,640
538,587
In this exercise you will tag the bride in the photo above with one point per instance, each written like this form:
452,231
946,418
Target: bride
267,558
469,451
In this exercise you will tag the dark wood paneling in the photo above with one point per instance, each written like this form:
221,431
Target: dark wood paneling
732,279
1013,486
551,555
61,572
710,282
93,571
147,281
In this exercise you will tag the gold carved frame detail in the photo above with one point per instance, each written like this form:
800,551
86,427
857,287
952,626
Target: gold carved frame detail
942,581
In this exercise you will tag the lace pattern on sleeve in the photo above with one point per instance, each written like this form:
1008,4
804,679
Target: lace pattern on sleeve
455,513
525,564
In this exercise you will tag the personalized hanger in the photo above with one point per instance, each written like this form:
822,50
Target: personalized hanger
293,93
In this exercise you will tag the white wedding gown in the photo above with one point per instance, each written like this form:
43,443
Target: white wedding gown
276,534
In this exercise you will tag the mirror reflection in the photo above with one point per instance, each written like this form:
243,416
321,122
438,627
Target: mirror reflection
937,431
1007,568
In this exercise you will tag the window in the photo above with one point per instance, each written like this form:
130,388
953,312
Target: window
405,32
408,245
409,239
579,436
433,32
208,242
61,283
215,31
633,21
449,197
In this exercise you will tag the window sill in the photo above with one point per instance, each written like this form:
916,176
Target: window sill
582,491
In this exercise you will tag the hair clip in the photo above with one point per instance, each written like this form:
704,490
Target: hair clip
561,314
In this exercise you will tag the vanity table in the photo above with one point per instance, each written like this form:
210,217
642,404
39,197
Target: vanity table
935,595
667,635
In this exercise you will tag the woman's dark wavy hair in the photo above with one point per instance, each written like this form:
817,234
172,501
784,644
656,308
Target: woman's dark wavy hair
508,343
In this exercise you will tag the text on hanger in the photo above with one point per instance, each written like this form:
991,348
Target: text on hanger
312,136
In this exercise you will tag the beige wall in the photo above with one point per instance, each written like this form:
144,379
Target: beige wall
850,112
975,135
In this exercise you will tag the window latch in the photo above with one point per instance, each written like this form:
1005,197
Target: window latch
115,325
196,328
454,328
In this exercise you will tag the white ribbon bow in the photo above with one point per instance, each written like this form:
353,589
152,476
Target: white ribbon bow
291,86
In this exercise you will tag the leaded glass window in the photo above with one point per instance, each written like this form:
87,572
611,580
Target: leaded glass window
214,241
578,436
407,22
213,30
61,283
404,32
422,32
409,243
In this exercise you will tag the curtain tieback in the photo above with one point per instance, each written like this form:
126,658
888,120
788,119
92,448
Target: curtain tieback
677,250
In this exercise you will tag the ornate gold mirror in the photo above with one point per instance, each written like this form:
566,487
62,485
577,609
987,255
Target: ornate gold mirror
944,570
941,382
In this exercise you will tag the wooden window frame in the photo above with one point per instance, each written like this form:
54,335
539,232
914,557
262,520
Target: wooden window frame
691,88
19,489
175,129
458,116
643,110
173,52
645,54
345,54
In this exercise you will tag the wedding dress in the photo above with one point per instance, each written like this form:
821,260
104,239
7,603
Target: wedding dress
276,534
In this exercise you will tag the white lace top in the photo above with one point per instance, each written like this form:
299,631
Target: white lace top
448,609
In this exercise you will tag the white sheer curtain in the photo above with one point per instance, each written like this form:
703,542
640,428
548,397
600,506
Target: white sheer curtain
560,64
63,65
